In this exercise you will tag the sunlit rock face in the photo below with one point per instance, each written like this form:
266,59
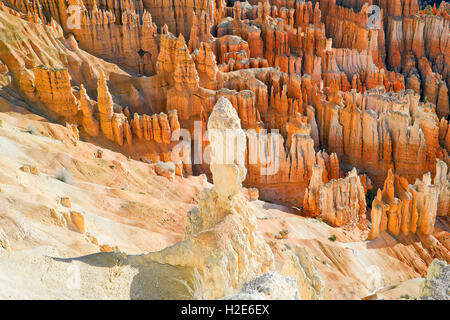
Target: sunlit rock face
339,202
404,208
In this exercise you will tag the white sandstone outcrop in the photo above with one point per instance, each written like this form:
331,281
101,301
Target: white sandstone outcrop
436,286
269,286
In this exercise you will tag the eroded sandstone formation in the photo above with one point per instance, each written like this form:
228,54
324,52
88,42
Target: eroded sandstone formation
412,41
233,62
403,208
222,248
377,131
307,93
338,202
314,92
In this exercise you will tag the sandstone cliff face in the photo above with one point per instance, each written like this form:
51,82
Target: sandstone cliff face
277,167
89,123
282,40
53,90
340,22
36,49
444,136
120,32
280,32
441,181
125,32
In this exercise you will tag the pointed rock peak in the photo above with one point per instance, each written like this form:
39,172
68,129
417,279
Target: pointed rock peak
165,30
353,173
224,116
101,83
181,42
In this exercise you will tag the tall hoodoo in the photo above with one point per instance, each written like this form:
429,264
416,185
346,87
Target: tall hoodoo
90,124
228,145
105,107
222,248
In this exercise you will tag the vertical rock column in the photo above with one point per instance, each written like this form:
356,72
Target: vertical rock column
222,247
228,145
105,108
89,123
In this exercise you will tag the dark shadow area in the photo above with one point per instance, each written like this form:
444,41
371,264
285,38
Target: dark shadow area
101,259
154,281
157,281
443,223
